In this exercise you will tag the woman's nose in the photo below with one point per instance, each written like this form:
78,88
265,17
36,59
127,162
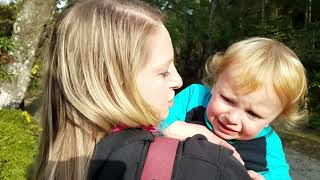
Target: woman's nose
175,81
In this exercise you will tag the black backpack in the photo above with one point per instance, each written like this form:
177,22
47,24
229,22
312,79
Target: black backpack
122,156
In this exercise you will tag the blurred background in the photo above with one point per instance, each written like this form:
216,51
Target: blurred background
198,28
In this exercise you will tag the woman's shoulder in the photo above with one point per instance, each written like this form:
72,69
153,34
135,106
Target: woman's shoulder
200,159
122,155
117,155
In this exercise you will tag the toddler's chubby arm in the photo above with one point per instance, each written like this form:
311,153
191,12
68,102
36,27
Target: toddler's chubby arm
255,176
182,130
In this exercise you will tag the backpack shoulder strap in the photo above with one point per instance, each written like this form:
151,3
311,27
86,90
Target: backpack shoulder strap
160,159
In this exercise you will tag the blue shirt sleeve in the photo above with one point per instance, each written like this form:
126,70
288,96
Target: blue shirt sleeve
192,96
276,161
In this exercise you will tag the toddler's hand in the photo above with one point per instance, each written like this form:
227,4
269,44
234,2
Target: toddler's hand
255,176
217,140
182,130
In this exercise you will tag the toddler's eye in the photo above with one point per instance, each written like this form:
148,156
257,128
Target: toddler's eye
252,114
226,99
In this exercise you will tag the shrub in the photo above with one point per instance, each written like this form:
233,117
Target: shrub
18,143
34,87
6,44
314,121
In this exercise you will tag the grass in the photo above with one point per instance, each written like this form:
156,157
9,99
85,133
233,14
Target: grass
18,144
306,141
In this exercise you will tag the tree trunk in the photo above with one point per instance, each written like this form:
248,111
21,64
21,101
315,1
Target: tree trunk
308,13
263,15
277,24
28,29
210,26
241,15
307,21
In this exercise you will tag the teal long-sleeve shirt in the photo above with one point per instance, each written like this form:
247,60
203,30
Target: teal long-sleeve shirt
263,154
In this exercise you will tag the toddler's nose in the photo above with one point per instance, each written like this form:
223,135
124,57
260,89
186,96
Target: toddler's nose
234,117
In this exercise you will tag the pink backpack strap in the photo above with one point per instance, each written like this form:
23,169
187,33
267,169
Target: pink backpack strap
160,159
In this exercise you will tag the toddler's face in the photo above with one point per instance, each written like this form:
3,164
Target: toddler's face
241,116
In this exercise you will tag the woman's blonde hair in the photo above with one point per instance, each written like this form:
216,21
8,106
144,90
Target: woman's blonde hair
90,86
260,60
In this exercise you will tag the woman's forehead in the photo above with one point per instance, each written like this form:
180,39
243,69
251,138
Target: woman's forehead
161,50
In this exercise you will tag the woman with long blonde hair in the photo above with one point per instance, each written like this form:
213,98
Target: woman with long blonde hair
110,70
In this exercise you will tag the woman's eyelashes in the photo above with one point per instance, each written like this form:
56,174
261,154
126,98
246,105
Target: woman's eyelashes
165,74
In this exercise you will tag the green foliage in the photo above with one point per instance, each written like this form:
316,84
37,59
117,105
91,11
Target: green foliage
314,121
18,143
5,75
6,45
34,87
314,79
314,99
8,14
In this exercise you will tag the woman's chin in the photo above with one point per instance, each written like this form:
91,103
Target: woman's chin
163,116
